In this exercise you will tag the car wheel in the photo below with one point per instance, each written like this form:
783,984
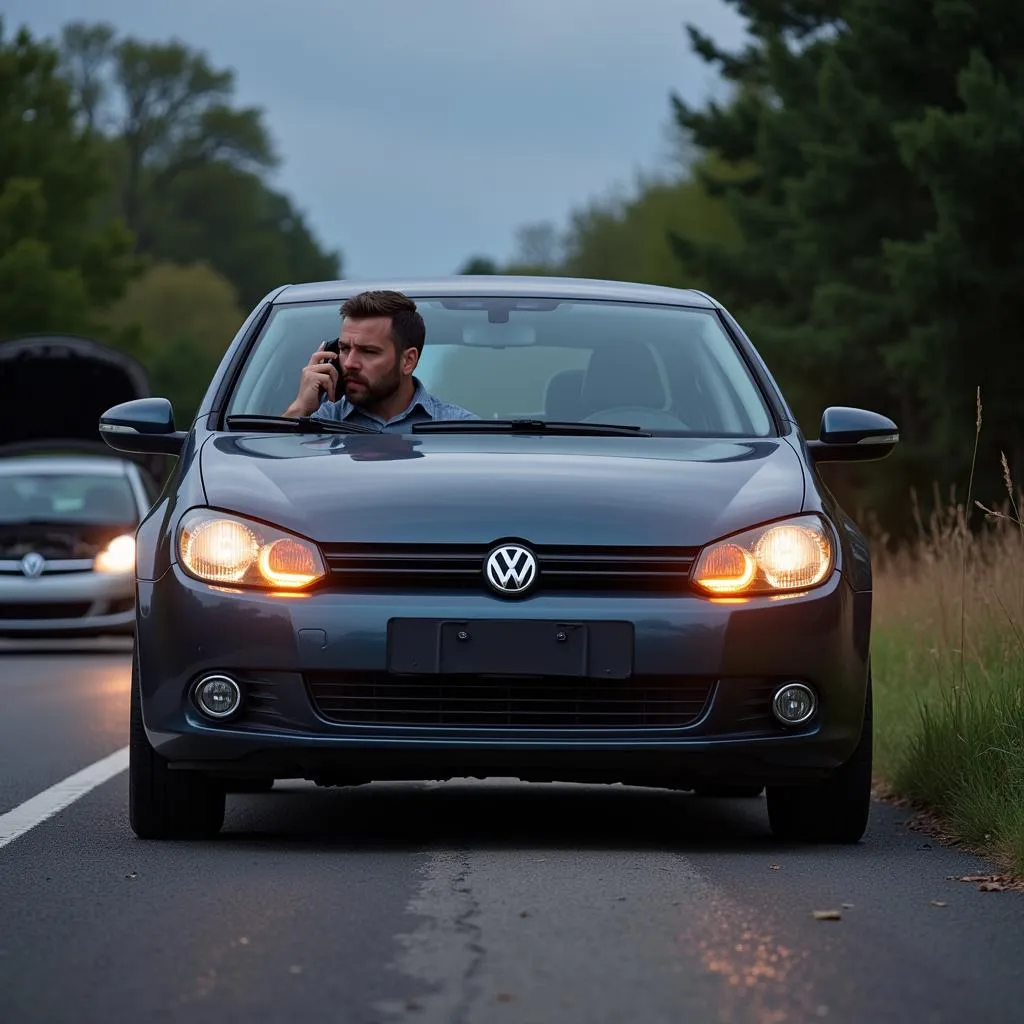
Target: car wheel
834,811
729,792
166,804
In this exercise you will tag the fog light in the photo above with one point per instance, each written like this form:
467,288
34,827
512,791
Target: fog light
794,703
217,696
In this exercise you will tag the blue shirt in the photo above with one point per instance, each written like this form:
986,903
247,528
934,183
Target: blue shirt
422,408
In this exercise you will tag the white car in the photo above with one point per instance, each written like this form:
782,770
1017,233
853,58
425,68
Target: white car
67,544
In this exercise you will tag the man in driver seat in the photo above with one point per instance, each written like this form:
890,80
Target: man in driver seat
379,347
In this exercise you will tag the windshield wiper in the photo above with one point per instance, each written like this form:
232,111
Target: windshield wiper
295,424
568,427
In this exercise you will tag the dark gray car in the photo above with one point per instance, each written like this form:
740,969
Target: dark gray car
626,570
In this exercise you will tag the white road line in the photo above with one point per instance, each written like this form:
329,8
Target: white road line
46,804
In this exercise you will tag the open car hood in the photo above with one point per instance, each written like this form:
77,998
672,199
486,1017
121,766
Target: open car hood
55,387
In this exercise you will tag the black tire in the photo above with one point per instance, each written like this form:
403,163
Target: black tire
729,792
165,803
833,811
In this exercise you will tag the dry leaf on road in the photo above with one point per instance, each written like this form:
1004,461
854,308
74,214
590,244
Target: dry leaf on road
992,883
828,915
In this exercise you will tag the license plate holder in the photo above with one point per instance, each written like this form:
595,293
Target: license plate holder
510,647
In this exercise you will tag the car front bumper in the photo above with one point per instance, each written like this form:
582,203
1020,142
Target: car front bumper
296,657
66,604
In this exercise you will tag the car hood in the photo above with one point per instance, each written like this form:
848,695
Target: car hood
476,489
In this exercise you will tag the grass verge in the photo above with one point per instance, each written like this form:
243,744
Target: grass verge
948,661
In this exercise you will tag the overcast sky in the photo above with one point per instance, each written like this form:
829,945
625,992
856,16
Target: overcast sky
415,133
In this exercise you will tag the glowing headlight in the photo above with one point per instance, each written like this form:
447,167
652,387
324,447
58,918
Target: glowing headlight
781,557
219,548
117,556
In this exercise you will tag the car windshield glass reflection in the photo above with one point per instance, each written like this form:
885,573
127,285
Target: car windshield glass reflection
66,498
663,369
371,448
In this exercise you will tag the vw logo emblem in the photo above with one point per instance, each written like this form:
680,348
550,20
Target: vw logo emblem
511,569
32,564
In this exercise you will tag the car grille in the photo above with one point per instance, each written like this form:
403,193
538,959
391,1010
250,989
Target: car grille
29,612
371,698
460,567
753,703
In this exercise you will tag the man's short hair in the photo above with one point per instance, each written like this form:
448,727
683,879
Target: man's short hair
407,327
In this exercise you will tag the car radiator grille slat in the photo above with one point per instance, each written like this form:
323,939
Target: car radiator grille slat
39,610
380,699
429,567
262,699
753,711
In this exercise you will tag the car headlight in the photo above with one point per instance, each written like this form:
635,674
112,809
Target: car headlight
216,547
782,557
118,556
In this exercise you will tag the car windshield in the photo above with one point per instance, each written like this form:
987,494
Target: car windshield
101,499
666,369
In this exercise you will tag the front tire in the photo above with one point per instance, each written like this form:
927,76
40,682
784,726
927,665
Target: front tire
162,803
833,811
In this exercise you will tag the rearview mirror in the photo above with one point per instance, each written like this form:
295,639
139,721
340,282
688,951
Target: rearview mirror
853,435
143,425
499,335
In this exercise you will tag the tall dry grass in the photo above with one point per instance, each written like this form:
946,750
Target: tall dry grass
949,668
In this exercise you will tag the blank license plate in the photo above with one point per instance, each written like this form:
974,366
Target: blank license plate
508,647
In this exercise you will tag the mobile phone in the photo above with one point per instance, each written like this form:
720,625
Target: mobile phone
330,346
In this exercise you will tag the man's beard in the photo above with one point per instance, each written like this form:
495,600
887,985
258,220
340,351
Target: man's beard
372,394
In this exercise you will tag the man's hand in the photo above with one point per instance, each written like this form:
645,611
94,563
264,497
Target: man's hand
318,375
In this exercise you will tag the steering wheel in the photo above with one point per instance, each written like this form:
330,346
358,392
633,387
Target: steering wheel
639,416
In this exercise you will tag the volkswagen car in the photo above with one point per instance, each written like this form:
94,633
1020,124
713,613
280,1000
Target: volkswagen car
625,569
67,544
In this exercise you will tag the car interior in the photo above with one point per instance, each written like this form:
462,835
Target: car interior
108,503
82,498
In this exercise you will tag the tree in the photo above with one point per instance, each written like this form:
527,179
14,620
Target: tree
58,266
629,239
85,52
875,253
168,108
538,250
189,164
182,320
479,265
247,232
967,272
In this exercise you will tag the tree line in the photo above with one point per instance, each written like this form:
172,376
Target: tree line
135,204
856,202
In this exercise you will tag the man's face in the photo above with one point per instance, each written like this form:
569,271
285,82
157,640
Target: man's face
368,361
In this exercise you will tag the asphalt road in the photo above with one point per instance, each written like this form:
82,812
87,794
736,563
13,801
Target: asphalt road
467,903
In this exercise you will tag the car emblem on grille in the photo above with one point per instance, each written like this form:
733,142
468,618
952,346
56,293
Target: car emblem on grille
32,564
511,569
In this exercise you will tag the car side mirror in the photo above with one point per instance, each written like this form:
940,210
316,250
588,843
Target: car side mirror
143,425
853,435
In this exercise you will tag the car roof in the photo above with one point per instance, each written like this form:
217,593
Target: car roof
99,465
499,285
